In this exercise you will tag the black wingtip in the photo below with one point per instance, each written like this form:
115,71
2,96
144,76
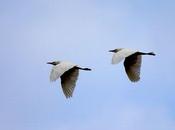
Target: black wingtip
87,69
152,53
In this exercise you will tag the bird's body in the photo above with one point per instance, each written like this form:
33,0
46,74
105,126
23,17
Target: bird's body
122,54
68,72
60,69
132,62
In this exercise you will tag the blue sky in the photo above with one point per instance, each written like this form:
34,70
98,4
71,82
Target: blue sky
82,31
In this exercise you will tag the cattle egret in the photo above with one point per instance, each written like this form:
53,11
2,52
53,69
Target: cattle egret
68,72
132,62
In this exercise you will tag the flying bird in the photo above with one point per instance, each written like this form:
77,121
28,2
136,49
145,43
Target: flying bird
68,73
132,61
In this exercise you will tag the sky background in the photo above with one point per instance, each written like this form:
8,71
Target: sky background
33,32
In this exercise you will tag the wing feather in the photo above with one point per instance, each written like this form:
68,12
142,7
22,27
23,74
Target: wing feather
122,54
68,81
60,69
132,67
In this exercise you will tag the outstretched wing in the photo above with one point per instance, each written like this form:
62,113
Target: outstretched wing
60,69
132,67
68,81
122,54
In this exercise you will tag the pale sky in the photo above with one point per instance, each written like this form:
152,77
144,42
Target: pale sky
33,32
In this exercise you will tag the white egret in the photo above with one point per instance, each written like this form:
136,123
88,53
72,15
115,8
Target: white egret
132,62
68,72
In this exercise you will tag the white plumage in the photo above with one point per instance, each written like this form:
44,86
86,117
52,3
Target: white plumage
132,62
122,54
68,72
60,69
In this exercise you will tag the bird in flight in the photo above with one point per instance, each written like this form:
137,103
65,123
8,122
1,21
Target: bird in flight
68,73
132,61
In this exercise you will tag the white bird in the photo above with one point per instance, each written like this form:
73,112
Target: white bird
132,62
68,72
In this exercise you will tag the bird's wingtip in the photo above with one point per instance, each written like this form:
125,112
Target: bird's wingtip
153,54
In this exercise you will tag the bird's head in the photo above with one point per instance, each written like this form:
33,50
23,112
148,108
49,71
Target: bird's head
115,50
54,62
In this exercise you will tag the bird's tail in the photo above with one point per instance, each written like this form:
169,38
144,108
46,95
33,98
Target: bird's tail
87,69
